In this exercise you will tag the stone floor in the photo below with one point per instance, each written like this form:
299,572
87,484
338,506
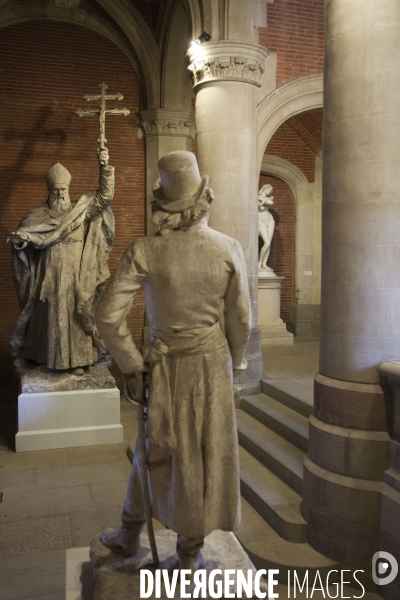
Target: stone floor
298,362
53,500
57,499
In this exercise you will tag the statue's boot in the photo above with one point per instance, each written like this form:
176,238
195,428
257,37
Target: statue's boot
124,540
188,550
193,563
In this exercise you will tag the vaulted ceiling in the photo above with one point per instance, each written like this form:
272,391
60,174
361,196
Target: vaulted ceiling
308,127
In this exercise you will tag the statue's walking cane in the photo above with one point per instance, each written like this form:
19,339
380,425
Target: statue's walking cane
141,390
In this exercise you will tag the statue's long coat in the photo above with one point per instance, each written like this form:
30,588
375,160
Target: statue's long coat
191,279
59,272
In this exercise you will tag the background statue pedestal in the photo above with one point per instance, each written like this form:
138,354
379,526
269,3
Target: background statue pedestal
63,410
273,329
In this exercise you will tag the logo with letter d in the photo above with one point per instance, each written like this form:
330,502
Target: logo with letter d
384,568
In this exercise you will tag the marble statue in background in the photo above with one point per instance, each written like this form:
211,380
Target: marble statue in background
191,275
60,252
266,224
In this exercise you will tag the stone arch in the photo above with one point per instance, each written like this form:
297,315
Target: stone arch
138,43
300,95
285,170
176,87
201,15
196,10
305,204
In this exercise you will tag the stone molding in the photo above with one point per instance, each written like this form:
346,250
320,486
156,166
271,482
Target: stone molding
297,96
227,61
269,282
367,452
349,405
391,370
158,121
285,170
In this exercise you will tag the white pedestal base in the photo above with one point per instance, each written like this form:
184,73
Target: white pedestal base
273,329
66,419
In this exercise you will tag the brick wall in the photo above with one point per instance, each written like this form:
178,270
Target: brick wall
281,258
45,69
295,30
287,144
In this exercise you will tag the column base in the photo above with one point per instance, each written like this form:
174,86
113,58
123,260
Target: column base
276,335
254,357
390,535
342,515
343,472
305,320
254,372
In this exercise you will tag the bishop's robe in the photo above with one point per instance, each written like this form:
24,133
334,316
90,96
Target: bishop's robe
59,272
193,280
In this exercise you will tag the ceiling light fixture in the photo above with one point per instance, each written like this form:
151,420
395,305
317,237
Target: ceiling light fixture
204,37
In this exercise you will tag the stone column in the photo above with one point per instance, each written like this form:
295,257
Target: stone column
360,319
165,131
226,76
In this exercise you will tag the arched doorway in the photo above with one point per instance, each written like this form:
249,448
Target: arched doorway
293,164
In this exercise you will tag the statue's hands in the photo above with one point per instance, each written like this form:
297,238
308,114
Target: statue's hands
18,239
102,156
264,195
242,367
135,386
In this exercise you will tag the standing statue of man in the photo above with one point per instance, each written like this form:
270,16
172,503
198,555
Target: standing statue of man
192,276
60,252
266,224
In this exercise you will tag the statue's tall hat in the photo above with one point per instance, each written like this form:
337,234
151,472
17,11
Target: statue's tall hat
180,184
57,174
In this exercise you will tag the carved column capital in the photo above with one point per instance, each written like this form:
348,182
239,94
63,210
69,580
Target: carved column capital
160,121
227,61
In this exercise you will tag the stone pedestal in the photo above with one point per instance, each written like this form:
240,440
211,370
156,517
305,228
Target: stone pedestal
273,329
61,410
118,577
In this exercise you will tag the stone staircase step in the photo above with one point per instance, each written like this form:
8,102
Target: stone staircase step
268,550
283,420
276,502
280,456
291,393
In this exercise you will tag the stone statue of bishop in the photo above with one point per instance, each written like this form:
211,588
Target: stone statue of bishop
60,251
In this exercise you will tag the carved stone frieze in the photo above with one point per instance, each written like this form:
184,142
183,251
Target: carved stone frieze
159,122
227,67
227,60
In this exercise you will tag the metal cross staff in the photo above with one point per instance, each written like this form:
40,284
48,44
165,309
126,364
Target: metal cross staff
102,111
